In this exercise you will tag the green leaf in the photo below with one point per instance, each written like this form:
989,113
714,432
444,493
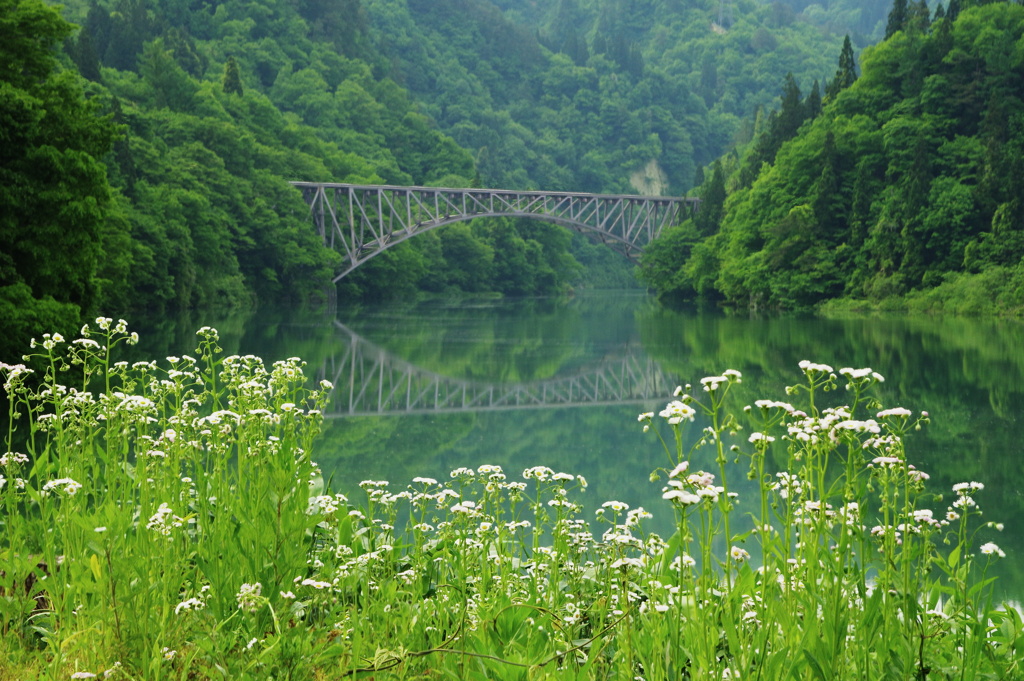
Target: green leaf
816,666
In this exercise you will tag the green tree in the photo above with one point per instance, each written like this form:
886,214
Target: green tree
792,113
663,261
129,28
829,205
846,74
897,18
918,16
232,82
954,10
469,260
86,59
170,84
712,203
813,102
54,195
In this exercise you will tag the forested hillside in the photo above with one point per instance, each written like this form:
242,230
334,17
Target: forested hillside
148,145
906,187
597,96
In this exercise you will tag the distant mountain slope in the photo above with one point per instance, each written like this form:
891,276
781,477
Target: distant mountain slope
589,96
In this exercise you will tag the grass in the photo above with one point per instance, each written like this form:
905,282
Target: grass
169,522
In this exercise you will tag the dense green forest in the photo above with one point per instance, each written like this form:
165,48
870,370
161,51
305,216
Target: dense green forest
606,96
148,145
905,187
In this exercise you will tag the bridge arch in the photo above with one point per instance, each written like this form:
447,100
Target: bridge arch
362,221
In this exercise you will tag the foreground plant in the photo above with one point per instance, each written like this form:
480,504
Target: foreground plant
168,522
146,493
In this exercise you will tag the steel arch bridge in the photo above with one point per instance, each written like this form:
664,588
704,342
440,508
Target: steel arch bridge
362,221
369,381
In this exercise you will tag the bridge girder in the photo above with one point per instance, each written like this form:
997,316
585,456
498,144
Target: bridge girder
362,221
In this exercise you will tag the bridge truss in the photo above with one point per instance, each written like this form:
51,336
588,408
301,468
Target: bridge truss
361,221
369,381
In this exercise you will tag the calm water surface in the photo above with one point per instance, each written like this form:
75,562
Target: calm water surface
425,388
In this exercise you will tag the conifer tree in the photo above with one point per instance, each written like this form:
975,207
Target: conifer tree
232,78
813,102
709,79
828,204
954,10
791,115
709,217
846,74
918,16
897,18
86,58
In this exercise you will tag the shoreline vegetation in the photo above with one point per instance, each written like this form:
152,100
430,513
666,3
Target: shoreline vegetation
996,293
167,520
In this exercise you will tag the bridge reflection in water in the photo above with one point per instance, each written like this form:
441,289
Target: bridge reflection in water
369,381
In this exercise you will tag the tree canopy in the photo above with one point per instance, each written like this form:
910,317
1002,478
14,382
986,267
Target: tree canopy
909,179
54,196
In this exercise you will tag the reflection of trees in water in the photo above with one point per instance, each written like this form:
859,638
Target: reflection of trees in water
499,340
966,373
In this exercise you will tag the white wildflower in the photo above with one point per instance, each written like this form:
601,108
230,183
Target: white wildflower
248,597
991,549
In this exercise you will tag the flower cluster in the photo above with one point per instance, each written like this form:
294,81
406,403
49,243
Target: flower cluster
164,521
249,597
65,485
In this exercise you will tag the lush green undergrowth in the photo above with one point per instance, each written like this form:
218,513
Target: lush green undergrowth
167,521
997,292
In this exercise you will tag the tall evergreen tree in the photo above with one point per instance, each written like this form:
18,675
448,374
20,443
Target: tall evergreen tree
232,78
184,50
954,10
709,79
130,27
123,168
98,26
846,74
709,217
567,18
791,115
897,18
918,16
86,58
828,203
813,102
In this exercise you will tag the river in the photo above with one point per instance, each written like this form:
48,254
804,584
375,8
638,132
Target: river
423,388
